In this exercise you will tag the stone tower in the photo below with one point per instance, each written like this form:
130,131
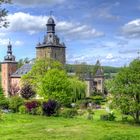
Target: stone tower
99,78
8,66
51,46
95,83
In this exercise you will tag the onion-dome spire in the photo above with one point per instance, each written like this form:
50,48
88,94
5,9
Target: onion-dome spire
9,56
9,51
50,25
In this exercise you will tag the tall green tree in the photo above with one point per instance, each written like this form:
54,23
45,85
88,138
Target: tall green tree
38,71
78,88
55,85
81,69
3,13
125,90
21,62
58,86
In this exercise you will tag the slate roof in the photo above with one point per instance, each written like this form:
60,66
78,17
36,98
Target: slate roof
22,70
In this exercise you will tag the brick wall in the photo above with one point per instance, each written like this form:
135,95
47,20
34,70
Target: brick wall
7,69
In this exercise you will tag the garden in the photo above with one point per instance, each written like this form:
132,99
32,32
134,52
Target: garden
41,119
62,111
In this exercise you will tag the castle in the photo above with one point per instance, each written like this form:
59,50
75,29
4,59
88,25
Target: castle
49,48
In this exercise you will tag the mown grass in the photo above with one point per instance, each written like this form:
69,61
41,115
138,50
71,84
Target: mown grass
28,127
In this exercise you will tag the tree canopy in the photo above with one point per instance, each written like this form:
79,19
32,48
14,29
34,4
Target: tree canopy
125,90
3,13
38,71
51,81
55,85
77,88
21,62
83,68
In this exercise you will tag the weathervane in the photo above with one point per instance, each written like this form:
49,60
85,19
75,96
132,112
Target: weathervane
9,41
51,13
39,41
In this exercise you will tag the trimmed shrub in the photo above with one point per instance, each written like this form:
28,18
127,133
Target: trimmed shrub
83,104
39,111
98,99
104,117
108,117
68,112
125,118
15,102
4,102
22,109
90,114
81,112
31,106
50,107
27,92
111,116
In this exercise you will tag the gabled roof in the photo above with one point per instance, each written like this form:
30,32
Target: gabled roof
22,70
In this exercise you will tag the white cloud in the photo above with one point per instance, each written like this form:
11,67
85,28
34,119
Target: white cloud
126,51
132,29
18,43
75,58
105,13
107,59
2,34
76,30
25,22
109,56
37,2
3,41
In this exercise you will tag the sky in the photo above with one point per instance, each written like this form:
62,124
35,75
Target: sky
105,30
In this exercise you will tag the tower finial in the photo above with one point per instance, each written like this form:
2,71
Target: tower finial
51,13
50,24
9,41
39,42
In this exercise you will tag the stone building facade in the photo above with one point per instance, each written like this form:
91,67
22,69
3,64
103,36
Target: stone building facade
95,83
51,46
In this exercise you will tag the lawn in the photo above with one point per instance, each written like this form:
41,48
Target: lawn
28,127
